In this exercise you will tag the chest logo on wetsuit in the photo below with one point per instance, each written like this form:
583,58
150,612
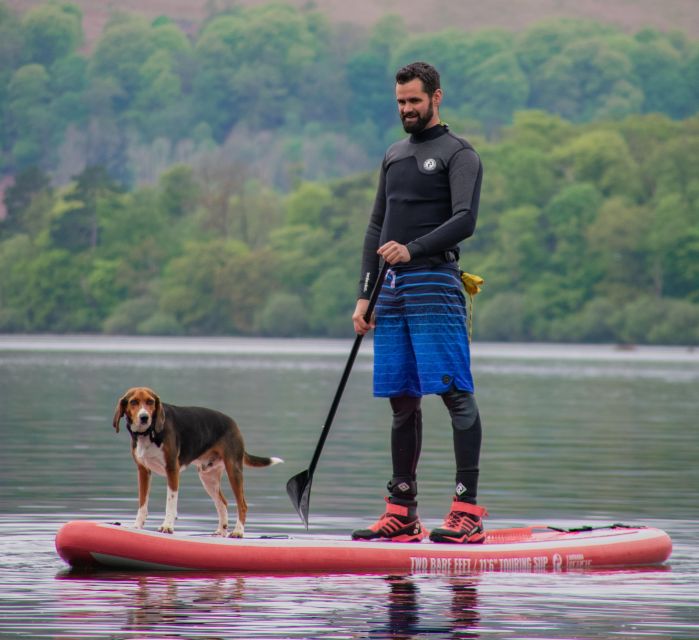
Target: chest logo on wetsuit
430,164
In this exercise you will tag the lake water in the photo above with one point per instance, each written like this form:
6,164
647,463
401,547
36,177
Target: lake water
573,435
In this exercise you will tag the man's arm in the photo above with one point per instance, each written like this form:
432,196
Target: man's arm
370,259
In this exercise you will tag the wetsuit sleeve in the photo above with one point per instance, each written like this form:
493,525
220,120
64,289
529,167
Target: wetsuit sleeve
465,175
370,259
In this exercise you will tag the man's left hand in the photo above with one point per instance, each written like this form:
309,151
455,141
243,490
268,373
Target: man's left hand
393,252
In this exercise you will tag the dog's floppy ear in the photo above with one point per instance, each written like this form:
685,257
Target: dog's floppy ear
159,415
120,411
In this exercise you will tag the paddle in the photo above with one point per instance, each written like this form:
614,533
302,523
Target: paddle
299,487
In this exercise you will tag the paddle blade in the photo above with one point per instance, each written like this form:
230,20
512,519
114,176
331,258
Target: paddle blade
299,490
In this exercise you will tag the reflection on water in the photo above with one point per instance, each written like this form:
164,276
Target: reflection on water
572,435
653,603
387,607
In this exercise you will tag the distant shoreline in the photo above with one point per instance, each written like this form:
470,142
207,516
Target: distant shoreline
330,347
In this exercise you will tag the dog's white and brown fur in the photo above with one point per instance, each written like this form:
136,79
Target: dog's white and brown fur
166,438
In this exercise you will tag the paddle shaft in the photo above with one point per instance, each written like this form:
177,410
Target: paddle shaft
346,373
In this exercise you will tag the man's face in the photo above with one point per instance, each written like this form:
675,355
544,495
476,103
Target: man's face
415,107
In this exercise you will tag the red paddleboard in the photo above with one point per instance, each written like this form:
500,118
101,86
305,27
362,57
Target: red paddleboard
536,548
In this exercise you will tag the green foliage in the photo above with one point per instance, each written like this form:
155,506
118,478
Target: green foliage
276,68
307,205
663,321
179,191
29,123
331,302
221,183
51,31
589,234
245,61
283,315
29,185
120,54
502,318
54,295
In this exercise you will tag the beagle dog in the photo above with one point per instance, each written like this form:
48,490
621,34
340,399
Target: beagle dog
166,439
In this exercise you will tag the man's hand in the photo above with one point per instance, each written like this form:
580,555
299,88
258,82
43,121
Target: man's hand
360,325
394,252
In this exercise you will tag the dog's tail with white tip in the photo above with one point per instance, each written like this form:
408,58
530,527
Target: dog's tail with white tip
257,461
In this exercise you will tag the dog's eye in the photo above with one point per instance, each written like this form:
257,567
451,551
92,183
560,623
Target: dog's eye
150,402
133,401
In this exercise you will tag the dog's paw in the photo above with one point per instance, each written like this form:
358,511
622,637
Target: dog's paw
235,534
166,529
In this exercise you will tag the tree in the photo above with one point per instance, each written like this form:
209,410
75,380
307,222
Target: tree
256,210
51,31
220,182
15,254
457,55
530,174
659,321
538,130
502,318
216,287
672,162
68,81
179,191
588,79
545,40
119,55
75,224
11,45
618,240
569,215
283,315
159,84
189,289
661,70
308,204
30,120
371,86
497,88
300,254
673,247
369,78
603,158
162,104
244,61
522,247
331,302
53,297
27,185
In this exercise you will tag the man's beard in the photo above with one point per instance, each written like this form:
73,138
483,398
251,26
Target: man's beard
421,122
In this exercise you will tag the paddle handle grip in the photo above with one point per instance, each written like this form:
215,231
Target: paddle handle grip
348,368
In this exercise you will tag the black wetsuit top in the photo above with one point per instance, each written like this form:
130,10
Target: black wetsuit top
427,199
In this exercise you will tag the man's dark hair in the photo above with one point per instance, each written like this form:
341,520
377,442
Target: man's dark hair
425,72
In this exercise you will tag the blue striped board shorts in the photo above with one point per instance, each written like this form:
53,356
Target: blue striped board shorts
420,341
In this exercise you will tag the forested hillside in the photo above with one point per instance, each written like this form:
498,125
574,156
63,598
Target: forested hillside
471,15
221,183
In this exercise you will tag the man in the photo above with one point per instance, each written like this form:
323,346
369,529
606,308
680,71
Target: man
426,203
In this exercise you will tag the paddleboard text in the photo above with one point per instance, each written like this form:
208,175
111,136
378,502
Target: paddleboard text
457,566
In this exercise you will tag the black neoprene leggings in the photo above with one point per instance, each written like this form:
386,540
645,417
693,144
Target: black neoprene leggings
406,443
